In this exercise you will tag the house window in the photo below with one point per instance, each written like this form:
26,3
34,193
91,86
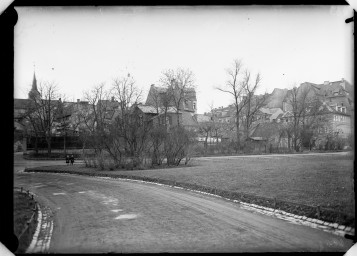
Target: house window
194,105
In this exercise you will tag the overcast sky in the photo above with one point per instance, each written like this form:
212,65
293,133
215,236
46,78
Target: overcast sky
78,48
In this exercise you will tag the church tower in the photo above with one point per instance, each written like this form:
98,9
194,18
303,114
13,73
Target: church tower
34,93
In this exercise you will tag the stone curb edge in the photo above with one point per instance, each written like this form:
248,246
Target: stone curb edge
39,245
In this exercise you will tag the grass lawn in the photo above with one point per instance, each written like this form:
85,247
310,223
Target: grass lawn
22,213
311,180
325,180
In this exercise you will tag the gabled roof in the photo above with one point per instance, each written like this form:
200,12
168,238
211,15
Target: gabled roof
275,99
147,109
277,113
266,130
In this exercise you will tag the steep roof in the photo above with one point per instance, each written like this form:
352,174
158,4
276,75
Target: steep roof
275,99
266,130
147,109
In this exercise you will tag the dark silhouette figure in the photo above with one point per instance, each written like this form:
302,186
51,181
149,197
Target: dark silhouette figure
67,159
72,159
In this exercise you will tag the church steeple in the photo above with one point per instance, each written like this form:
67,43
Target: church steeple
34,93
34,82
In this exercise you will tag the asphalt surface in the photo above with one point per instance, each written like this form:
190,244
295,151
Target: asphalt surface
103,215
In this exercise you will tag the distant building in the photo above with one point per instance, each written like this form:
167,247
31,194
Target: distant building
158,100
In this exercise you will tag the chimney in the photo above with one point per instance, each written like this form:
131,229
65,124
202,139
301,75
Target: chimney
77,100
326,82
112,98
59,99
343,83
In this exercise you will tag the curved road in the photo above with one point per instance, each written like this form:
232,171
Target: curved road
103,215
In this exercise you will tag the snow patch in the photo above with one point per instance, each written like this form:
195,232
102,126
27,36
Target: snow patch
117,210
126,217
62,193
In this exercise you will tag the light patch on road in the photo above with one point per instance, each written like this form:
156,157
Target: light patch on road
69,184
39,186
126,217
82,192
110,200
117,210
55,194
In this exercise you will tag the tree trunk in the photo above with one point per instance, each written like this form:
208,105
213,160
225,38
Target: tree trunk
36,146
64,144
48,139
238,137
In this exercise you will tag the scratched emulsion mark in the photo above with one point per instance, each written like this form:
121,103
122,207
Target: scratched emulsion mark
126,217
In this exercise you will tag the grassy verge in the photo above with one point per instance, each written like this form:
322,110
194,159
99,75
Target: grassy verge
23,206
299,183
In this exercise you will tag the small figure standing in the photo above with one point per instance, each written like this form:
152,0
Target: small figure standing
67,159
72,159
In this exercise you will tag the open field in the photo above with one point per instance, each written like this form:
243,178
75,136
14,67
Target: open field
325,180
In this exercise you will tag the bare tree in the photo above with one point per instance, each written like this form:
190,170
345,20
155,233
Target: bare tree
130,125
43,111
93,118
306,116
180,85
205,128
241,90
252,103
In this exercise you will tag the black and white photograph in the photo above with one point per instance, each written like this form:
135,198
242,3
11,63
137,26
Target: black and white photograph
174,129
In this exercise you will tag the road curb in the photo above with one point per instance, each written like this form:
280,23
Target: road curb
42,238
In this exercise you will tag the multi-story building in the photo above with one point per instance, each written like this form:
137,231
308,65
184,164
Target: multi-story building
161,101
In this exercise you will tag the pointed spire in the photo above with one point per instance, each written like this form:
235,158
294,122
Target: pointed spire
34,93
34,82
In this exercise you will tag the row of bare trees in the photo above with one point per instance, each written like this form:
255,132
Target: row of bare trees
118,129
306,111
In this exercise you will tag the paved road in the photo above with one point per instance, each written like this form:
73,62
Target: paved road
100,215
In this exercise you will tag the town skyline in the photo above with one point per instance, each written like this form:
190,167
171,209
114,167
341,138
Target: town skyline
56,48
